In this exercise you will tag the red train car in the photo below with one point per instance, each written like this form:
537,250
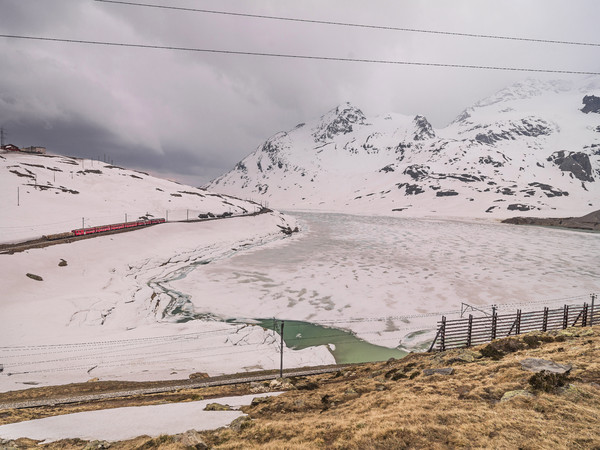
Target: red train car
116,226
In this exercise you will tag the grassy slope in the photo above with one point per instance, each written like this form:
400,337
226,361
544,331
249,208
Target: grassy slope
394,405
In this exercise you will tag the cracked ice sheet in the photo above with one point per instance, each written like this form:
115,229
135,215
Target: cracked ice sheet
119,424
101,297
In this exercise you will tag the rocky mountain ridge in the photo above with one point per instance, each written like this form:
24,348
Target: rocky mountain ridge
534,146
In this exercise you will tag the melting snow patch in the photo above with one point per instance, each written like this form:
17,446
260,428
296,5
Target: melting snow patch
127,423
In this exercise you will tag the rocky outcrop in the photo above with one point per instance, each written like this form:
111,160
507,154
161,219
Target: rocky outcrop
424,130
344,118
588,222
529,127
592,104
549,190
519,207
577,163
448,193
538,365
411,189
417,172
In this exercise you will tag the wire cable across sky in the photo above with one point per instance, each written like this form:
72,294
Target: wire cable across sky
355,25
295,56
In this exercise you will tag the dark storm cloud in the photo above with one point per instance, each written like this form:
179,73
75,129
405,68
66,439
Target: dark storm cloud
193,116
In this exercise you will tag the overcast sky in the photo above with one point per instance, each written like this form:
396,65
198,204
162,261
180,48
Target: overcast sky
192,116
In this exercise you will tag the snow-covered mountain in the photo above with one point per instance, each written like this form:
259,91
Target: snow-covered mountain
534,146
43,194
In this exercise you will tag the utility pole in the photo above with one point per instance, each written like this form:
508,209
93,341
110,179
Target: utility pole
18,196
281,354
2,137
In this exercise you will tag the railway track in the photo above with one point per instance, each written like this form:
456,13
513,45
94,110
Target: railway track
43,242
207,382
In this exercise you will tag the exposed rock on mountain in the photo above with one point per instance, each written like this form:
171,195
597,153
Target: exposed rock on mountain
592,104
526,148
339,122
577,163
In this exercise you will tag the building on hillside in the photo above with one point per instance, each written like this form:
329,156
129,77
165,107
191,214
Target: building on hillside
10,148
34,149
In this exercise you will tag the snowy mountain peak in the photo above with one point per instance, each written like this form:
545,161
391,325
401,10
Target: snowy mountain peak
423,130
338,121
526,89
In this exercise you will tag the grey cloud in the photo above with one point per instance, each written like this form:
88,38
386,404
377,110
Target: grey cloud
193,114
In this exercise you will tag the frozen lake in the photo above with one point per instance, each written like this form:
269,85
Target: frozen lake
344,268
210,297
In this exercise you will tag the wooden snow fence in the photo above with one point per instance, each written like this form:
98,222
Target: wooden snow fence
469,331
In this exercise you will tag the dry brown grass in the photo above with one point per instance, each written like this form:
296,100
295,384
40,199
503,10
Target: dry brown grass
393,405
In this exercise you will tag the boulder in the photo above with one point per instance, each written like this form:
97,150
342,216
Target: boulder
191,438
463,355
259,400
34,277
518,393
198,375
240,423
537,365
440,371
217,407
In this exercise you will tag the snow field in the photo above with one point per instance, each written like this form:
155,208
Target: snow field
127,423
53,194
99,316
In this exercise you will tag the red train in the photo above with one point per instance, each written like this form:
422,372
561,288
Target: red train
104,228
116,226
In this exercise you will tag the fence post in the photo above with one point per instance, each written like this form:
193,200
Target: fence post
494,322
584,315
545,323
470,331
281,357
566,317
592,311
518,330
443,334
579,316
437,335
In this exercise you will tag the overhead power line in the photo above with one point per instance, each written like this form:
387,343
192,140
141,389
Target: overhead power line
355,25
291,56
